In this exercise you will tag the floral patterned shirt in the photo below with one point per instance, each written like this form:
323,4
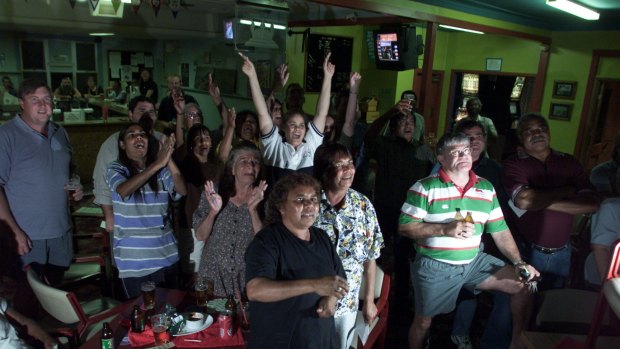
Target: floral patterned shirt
355,231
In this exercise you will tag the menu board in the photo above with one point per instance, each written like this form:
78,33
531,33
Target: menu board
342,55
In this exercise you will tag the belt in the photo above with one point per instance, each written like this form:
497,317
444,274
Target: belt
548,250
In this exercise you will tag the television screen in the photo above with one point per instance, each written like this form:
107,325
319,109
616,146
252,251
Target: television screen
395,48
387,47
229,32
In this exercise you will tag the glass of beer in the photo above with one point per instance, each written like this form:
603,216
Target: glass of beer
148,294
204,291
72,185
160,325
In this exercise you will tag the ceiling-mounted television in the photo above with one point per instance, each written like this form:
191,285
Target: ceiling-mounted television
395,48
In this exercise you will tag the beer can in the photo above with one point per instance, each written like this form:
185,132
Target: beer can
225,323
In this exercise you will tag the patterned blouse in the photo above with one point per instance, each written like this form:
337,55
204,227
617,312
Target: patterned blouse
223,255
355,231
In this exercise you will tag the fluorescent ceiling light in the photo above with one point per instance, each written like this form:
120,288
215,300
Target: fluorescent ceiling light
126,1
258,24
101,34
461,29
574,9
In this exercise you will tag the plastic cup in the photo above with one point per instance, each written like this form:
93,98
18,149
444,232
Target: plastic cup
160,325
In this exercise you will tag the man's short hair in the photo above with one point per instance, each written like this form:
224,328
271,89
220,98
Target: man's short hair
408,93
29,86
450,139
467,124
525,118
134,102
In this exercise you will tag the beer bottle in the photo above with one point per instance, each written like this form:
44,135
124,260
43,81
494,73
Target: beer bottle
231,305
469,218
107,338
458,216
137,319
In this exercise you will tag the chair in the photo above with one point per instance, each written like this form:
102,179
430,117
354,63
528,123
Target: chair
609,296
378,328
79,321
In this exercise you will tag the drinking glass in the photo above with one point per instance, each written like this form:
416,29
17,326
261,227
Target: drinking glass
72,185
160,325
148,294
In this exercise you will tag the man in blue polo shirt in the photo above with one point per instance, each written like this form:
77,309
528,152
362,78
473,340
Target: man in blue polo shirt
35,164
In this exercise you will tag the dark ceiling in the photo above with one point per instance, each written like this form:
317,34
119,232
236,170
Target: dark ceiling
536,13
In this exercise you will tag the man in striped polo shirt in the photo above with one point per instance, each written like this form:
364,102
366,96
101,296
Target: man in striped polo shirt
448,249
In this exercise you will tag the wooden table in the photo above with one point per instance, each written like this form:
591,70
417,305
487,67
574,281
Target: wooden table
181,300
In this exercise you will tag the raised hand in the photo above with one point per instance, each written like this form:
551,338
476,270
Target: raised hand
179,101
328,68
213,88
355,79
214,200
248,67
166,148
258,193
232,117
283,75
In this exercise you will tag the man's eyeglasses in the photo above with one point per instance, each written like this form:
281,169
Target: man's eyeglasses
192,115
460,152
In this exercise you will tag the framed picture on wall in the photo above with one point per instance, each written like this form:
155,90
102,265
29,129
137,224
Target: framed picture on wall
564,89
560,111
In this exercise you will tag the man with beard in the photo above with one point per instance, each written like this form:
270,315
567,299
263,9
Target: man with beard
66,90
546,189
141,110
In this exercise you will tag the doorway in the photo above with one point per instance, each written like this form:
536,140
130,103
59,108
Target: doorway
504,98
431,114
606,123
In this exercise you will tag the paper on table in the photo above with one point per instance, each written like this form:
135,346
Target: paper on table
362,329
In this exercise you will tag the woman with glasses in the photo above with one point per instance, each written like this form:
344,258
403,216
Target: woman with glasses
228,217
351,223
296,151
294,276
142,181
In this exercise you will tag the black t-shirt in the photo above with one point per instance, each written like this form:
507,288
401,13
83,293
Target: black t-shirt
167,112
277,254
149,85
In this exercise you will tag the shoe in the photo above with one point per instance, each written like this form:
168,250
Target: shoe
462,342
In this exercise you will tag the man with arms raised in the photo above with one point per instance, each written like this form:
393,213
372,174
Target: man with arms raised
448,249
141,110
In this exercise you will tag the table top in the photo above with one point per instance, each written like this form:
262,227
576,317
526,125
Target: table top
181,300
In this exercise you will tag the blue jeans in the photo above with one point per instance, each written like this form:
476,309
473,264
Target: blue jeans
498,331
553,267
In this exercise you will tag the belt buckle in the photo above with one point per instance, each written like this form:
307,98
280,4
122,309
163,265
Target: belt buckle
547,250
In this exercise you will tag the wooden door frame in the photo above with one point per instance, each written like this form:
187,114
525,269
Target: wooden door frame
418,87
589,101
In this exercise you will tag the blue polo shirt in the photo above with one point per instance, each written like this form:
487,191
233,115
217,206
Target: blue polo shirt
33,172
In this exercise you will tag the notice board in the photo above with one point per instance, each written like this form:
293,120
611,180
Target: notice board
127,65
342,55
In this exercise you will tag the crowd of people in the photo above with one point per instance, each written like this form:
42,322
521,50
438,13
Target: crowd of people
281,202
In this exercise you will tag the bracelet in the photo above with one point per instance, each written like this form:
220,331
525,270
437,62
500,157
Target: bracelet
519,263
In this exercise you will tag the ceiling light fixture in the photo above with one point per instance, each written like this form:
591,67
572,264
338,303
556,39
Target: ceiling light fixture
258,24
574,9
101,34
461,29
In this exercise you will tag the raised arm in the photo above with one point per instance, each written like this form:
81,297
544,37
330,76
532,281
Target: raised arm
322,105
264,118
179,106
216,96
282,77
377,125
348,128
229,131
134,183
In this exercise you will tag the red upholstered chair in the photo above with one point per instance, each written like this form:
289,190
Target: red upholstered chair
378,328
